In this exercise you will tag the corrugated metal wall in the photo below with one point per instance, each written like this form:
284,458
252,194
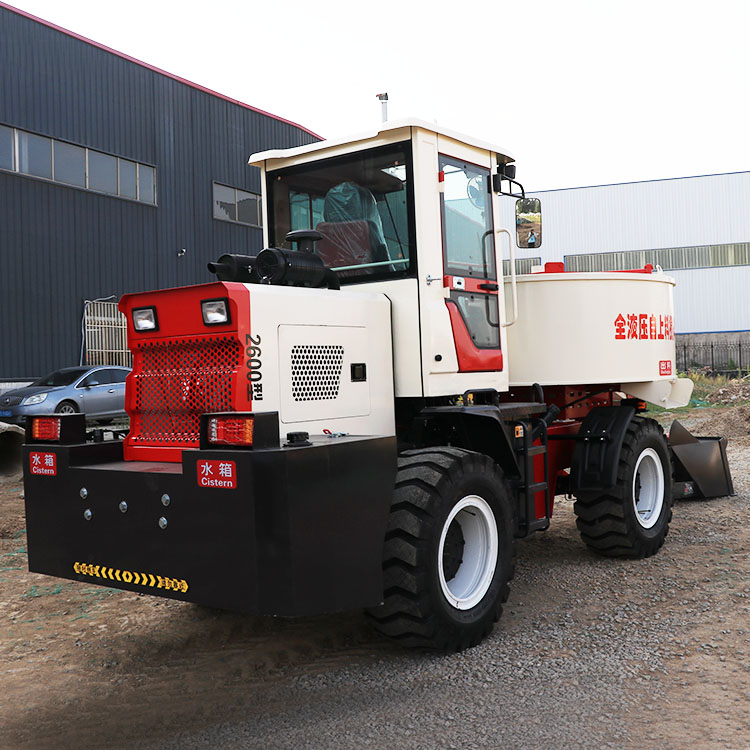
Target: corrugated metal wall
712,300
697,213
61,245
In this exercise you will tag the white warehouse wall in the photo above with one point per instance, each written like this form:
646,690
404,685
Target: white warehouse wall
682,212
709,300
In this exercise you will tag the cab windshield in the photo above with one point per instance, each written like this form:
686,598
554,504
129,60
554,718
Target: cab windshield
360,203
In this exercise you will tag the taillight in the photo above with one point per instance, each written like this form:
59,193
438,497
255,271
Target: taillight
46,428
256,431
230,430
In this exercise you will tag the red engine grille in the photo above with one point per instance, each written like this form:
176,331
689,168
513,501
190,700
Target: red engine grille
177,380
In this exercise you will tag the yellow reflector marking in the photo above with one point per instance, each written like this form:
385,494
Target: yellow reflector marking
128,576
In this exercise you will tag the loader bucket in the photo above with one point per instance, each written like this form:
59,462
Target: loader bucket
700,464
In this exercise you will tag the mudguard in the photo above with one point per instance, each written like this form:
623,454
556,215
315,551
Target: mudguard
597,450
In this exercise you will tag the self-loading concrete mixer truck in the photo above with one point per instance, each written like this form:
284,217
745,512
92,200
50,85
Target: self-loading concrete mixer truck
372,411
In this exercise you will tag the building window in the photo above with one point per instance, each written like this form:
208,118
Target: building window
146,184
6,148
670,259
128,185
70,164
50,159
34,155
523,265
239,206
102,173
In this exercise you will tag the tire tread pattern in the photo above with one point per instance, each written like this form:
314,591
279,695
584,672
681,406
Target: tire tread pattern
409,614
602,520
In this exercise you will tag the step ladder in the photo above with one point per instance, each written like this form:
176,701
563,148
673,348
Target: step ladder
526,432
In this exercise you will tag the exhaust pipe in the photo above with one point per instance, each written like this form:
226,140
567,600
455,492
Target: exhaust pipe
235,268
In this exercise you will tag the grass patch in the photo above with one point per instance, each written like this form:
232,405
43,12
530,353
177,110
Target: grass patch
704,385
37,591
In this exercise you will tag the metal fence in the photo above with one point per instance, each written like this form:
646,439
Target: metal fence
104,335
730,357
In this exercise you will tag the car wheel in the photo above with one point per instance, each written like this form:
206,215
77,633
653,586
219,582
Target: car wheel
66,407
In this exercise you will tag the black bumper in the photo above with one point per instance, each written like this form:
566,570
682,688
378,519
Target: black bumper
301,532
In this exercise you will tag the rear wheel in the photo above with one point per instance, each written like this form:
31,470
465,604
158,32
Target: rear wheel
66,407
632,519
449,550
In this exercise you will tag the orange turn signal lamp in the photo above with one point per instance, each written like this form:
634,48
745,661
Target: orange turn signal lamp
45,428
240,430
66,429
231,430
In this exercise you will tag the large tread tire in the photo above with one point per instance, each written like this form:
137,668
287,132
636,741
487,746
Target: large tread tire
430,484
611,523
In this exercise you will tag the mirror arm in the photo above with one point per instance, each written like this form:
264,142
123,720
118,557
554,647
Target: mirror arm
497,186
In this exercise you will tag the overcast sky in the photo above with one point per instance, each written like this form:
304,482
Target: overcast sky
580,92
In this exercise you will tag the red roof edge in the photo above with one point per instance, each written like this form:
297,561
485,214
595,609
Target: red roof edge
155,69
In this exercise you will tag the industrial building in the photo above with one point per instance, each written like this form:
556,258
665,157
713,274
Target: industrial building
118,177
114,177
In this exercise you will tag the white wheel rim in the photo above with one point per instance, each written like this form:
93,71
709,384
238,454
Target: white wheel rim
66,410
648,499
477,568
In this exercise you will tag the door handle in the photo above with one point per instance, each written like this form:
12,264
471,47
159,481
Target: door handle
111,390
489,287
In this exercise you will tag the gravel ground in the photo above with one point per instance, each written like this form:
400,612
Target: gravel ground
590,653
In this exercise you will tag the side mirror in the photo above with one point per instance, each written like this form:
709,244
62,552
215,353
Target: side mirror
92,382
529,223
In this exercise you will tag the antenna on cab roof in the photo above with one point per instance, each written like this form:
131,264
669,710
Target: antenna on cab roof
384,106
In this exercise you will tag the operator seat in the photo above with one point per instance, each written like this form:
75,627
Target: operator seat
351,227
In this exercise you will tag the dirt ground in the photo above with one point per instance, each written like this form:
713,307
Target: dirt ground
89,667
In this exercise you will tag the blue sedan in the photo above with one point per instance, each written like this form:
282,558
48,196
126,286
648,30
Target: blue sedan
98,392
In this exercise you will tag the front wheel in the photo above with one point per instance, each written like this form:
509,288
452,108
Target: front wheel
449,551
632,519
66,407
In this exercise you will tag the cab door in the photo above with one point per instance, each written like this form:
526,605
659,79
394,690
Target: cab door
470,265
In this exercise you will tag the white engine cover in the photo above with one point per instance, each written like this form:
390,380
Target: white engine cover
309,340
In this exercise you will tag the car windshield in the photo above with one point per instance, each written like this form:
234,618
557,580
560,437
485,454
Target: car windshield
360,203
61,377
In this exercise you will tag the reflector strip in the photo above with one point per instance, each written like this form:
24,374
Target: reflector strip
150,580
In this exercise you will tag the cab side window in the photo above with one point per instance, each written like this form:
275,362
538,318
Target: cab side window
466,208
469,247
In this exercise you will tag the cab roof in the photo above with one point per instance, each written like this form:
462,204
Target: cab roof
503,154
